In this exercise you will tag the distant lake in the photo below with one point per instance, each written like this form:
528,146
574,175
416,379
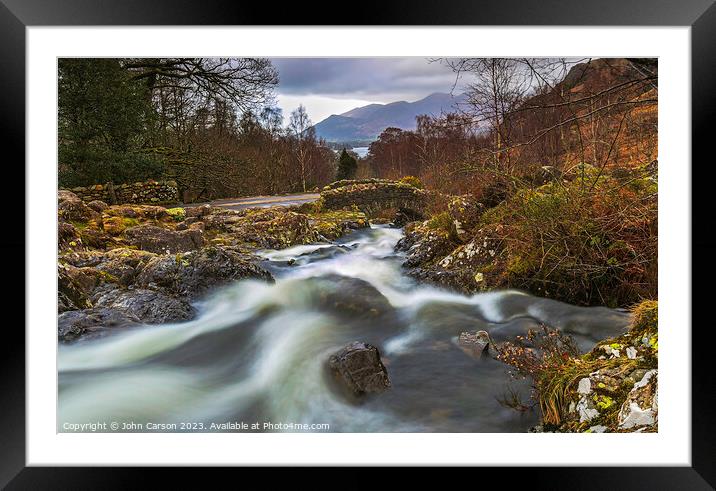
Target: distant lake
361,151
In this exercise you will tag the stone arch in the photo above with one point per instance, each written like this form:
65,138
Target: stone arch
374,195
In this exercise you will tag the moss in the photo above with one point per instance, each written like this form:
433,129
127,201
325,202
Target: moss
177,214
79,225
517,265
645,317
603,402
108,277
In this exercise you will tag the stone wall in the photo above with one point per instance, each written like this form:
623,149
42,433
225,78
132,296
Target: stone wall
371,196
147,192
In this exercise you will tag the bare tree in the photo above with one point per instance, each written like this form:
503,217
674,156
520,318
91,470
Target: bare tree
304,135
245,82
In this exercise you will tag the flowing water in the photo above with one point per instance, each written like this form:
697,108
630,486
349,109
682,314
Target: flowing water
256,352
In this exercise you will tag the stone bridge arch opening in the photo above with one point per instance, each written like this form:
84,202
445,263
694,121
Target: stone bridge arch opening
372,196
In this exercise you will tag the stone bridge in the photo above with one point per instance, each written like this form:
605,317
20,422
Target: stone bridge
373,195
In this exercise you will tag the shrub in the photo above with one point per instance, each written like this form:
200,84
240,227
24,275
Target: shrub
413,181
441,221
590,241
545,355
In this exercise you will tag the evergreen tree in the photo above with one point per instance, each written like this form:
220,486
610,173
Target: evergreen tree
103,119
347,166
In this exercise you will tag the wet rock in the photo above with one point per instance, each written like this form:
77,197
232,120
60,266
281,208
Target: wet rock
148,306
423,246
358,370
458,281
194,273
468,268
349,296
334,224
477,344
465,212
641,406
90,323
161,240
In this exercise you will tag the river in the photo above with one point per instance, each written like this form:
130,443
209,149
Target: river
256,352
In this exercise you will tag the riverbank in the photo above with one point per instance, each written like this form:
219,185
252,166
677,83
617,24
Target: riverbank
587,237
126,265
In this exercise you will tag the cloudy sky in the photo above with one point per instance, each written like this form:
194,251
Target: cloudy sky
335,85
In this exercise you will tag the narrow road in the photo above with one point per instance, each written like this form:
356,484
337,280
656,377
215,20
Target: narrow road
261,201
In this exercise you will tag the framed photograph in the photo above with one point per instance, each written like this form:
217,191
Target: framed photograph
440,236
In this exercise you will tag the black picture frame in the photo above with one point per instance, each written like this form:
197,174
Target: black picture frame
16,15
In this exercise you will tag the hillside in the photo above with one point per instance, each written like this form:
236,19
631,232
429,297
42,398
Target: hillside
367,122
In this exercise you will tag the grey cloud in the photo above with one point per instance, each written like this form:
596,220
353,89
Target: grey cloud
365,78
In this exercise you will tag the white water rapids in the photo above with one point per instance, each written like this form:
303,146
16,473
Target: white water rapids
256,352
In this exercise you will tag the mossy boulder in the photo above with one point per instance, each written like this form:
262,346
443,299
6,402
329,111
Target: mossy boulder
120,265
273,228
95,238
74,288
467,268
194,273
162,240
465,213
115,225
68,237
70,208
334,224
424,245
98,205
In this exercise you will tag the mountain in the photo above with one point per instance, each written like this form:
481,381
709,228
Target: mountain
367,122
